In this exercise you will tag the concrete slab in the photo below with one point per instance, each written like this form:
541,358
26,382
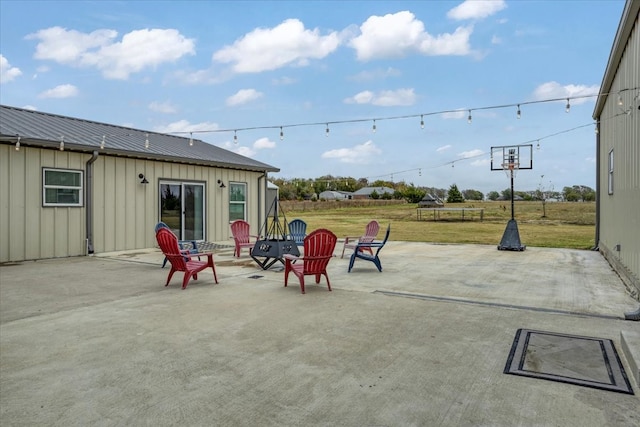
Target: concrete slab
100,341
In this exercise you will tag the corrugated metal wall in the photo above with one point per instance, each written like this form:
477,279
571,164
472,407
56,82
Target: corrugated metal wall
620,211
27,230
124,214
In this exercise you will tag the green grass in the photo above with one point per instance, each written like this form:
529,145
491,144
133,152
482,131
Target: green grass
566,224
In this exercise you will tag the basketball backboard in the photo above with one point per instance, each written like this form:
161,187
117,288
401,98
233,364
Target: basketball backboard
512,157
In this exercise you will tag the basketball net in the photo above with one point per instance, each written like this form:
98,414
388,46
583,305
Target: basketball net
511,167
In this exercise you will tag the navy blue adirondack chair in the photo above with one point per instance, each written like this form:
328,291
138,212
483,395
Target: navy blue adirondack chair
189,246
374,256
298,231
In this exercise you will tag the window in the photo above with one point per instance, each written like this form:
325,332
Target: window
62,187
610,170
237,201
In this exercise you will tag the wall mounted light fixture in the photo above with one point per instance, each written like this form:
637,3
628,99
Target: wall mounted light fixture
143,179
221,184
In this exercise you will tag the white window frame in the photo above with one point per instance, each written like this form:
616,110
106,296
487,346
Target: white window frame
236,202
79,189
610,172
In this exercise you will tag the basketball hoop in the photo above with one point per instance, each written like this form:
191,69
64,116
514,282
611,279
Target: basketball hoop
514,158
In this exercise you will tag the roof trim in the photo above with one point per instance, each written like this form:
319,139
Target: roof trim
627,22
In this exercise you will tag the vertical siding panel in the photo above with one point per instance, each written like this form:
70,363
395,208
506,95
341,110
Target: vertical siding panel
33,200
5,176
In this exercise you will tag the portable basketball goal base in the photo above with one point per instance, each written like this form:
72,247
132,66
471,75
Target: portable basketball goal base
511,159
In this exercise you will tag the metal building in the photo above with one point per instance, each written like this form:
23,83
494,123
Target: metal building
617,113
72,187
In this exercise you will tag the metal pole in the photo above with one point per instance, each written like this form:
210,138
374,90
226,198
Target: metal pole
512,210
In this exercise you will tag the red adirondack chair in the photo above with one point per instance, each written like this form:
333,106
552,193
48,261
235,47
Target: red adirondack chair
318,251
182,260
370,233
241,236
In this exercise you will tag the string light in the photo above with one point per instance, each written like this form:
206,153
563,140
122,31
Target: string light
235,137
469,118
568,107
518,113
326,132
146,141
281,134
18,144
374,126
620,103
538,145
190,139
421,121
62,143
104,137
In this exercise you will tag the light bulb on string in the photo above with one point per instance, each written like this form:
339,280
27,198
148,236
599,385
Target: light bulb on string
538,145
620,103
326,132
419,172
18,144
104,140
374,126
190,139
235,137
281,134
146,141
421,121
62,143
518,113
567,108
469,118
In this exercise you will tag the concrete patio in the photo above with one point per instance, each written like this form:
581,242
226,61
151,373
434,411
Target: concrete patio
100,341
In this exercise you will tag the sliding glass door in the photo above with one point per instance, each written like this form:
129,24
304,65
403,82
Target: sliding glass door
182,208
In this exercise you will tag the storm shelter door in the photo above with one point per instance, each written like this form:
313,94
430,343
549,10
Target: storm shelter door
182,209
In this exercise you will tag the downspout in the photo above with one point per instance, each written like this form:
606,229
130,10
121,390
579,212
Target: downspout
262,201
89,202
598,186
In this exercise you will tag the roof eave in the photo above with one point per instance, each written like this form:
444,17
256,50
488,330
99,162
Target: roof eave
627,21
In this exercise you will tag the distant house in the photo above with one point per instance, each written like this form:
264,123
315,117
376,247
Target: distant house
71,187
335,195
365,192
617,114
430,201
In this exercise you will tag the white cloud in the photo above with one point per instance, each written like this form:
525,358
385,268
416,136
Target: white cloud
480,162
163,107
30,107
185,126
362,153
7,72
263,143
470,153
476,9
243,96
60,91
397,35
385,98
282,81
378,74
443,148
138,50
553,90
239,149
496,40
266,49
461,114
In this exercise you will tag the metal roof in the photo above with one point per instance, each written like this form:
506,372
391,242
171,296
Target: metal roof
47,130
627,21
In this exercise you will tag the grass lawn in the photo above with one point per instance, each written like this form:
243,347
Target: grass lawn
565,225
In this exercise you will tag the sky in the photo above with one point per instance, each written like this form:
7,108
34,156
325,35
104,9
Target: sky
267,79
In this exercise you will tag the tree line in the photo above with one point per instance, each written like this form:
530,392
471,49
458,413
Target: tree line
311,188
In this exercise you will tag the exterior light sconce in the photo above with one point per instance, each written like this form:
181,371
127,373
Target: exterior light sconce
221,184
143,179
